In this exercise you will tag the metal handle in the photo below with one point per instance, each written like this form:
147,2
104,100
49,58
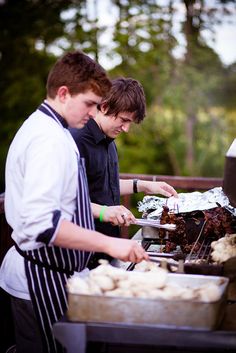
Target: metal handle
154,223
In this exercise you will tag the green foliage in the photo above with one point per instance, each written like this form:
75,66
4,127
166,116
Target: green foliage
23,67
191,115
179,93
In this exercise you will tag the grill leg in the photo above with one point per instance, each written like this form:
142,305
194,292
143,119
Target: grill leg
72,337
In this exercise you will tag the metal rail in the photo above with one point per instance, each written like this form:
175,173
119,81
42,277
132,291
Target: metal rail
179,182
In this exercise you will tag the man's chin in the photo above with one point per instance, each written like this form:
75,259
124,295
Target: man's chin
81,124
115,135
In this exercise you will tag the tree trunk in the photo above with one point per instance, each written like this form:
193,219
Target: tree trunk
190,153
191,31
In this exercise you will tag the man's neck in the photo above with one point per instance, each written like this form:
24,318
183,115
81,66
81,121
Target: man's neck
55,105
97,120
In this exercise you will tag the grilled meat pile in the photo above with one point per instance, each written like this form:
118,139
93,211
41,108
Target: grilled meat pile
213,224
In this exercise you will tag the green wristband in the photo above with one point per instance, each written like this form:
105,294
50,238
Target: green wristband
101,214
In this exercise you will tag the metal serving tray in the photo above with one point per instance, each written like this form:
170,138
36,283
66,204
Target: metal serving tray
184,314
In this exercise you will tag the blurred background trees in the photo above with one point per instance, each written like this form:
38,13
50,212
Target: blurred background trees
191,105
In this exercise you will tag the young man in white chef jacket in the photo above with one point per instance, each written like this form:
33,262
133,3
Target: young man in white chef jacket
48,207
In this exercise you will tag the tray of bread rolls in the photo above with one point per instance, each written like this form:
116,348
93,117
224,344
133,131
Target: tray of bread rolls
113,295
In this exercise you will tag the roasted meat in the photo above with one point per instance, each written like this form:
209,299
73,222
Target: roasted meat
213,224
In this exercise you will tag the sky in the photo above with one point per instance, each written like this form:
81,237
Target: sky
222,39
224,42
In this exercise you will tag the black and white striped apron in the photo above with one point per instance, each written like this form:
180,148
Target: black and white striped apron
49,267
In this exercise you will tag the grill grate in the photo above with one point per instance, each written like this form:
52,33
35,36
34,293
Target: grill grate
198,261
202,252
194,257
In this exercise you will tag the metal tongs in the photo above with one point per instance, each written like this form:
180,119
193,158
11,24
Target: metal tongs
154,223
172,262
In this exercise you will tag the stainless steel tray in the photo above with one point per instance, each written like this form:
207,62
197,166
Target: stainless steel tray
184,314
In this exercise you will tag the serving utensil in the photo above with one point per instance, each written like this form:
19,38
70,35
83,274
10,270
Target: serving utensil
154,223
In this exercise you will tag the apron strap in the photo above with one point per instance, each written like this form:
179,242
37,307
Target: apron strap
44,265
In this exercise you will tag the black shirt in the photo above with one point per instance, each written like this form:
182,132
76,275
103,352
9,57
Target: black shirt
102,169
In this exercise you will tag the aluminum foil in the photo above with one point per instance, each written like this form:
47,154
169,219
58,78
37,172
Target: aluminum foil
186,202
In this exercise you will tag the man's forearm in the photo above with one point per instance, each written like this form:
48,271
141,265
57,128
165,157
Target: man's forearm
96,209
71,236
126,186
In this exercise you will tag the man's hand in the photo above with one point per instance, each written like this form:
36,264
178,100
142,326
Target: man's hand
126,250
156,187
118,215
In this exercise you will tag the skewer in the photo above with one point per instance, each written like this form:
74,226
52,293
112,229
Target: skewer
196,241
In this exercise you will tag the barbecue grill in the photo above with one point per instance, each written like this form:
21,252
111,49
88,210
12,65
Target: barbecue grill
139,337
196,261
200,219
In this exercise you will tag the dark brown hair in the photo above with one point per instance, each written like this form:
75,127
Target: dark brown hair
79,73
125,95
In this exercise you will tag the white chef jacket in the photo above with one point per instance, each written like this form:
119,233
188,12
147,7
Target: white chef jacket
41,180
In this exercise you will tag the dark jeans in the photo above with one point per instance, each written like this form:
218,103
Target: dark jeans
6,322
27,333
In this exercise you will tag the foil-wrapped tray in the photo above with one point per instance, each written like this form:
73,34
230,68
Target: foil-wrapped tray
186,314
152,206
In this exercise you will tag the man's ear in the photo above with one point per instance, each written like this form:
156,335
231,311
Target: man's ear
103,108
62,93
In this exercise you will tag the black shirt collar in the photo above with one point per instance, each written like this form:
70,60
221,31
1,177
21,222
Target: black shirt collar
97,132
